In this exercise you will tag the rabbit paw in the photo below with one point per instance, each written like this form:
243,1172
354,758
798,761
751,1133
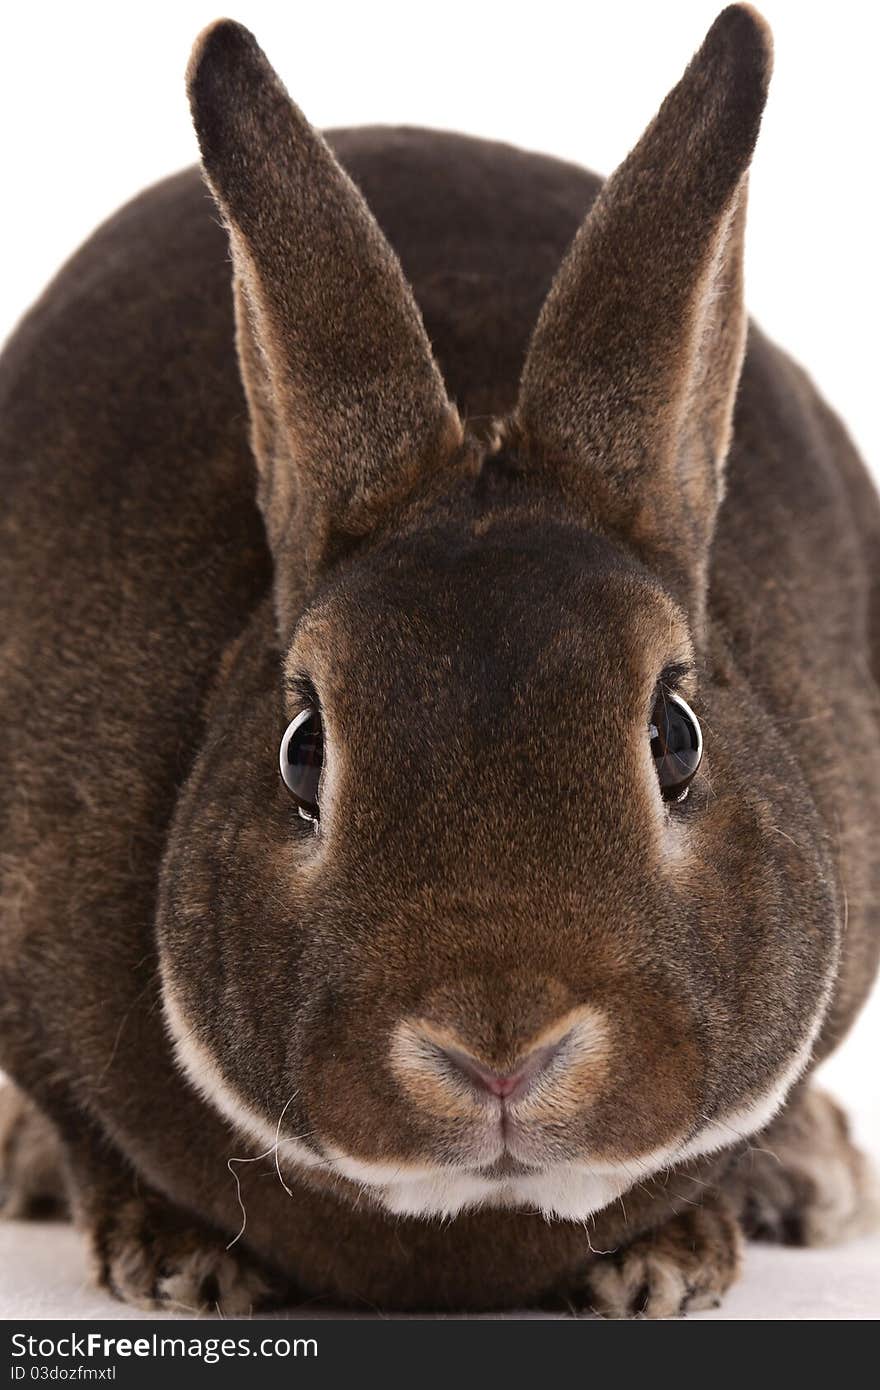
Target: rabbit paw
805,1182
149,1255
684,1265
32,1185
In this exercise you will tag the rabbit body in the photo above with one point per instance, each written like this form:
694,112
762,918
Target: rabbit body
143,634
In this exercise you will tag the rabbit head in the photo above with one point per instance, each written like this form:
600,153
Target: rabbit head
502,938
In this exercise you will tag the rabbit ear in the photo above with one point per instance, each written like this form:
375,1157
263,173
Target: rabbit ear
628,388
347,404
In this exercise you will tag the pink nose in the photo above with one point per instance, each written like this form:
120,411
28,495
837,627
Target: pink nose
508,1085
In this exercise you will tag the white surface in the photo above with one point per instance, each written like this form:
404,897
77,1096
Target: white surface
44,1275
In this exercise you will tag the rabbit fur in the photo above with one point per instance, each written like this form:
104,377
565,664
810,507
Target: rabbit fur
469,450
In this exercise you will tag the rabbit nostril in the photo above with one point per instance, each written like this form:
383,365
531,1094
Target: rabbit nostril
504,1085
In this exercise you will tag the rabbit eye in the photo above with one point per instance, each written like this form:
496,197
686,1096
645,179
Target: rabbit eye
676,744
301,758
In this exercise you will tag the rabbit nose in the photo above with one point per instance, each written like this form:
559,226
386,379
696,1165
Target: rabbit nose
556,1068
508,1085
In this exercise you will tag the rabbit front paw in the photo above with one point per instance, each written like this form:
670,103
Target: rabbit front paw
684,1265
805,1182
148,1254
32,1184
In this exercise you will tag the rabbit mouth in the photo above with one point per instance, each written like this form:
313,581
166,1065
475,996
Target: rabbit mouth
505,1168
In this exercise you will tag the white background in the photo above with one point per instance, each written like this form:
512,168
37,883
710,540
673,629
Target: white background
92,107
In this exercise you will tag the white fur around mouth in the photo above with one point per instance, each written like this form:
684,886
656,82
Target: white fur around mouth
568,1191
564,1191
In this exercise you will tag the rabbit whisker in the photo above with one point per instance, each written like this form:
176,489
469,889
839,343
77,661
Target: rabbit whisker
271,1151
277,1140
233,1171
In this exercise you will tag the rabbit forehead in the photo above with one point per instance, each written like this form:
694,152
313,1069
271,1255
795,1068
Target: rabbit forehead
459,613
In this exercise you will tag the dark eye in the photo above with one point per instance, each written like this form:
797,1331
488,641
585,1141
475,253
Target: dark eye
301,757
676,744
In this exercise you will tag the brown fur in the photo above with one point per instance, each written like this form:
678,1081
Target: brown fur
484,607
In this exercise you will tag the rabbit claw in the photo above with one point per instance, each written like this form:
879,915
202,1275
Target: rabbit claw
684,1265
149,1255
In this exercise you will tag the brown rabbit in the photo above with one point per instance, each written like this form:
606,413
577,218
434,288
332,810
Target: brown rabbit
504,943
